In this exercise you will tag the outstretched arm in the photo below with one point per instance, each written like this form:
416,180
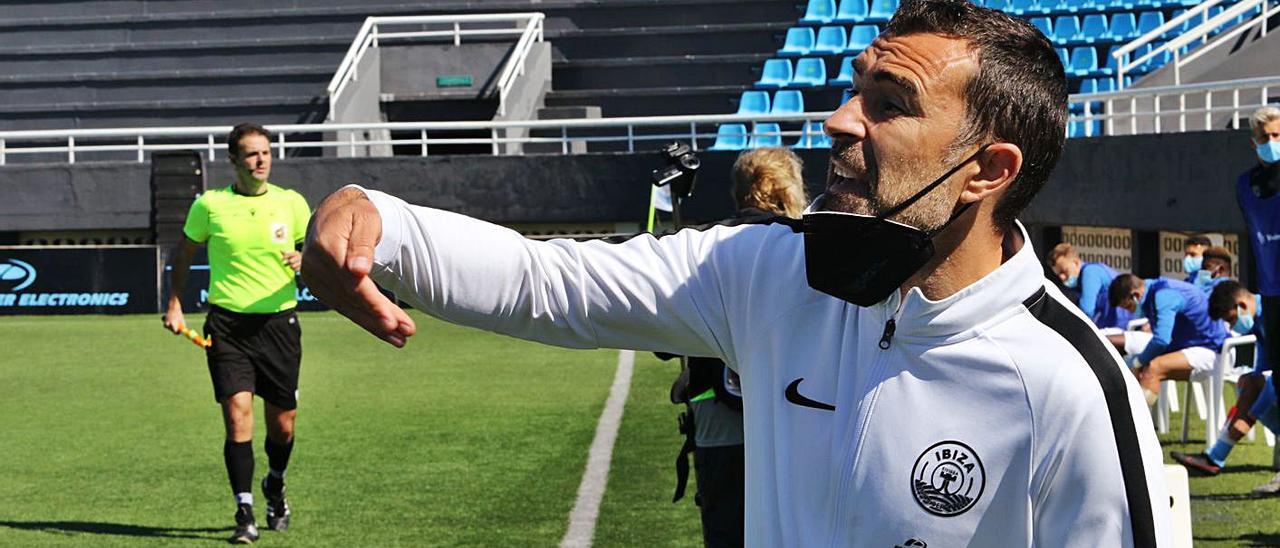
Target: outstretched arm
645,293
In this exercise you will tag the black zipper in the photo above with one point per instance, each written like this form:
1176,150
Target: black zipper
886,338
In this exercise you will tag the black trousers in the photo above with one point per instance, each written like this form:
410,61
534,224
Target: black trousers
721,480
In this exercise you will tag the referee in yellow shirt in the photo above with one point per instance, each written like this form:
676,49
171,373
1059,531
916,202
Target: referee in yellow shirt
254,230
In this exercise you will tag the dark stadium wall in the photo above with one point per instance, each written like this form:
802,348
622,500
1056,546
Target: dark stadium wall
1147,182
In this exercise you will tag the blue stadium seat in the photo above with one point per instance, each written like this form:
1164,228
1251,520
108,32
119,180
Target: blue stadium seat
845,78
775,74
812,136
1111,65
851,11
1124,27
819,12
1044,24
1149,21
1024,7
861,37
754,102
1088,85
1094,28
1002,5
788,101
1064,56
1053,6
810,72
766,135
1066,30
730,137
1084,62
1078,128
1075,6
831,41
1159,60
882,10
799,42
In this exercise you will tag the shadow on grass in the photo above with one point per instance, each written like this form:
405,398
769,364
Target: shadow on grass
120,529
1250,539
1231,497
1173,442
1247,468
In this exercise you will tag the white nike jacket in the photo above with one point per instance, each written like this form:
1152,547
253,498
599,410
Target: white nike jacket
993,418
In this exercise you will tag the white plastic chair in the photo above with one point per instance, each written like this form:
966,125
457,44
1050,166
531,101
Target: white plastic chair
1213,382
1224,371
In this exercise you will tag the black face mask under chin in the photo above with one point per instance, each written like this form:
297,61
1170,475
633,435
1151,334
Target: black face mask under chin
863,259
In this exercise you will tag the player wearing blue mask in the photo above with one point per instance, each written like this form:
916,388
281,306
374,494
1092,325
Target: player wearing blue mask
1090,280
1215,269
1193,256
1255,192
1184,338
1232,303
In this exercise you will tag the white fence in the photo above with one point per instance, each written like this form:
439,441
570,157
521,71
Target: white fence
1192,107
1170,109
378,30
1203,33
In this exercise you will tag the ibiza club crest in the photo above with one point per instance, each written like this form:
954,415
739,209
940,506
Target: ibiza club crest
948,479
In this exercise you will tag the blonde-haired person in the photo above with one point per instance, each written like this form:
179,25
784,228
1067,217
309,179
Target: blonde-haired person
1256,191
766,183
769,180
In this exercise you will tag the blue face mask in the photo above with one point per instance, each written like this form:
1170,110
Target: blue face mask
1203,278
1244,322
1072,282
1269,152
1191,265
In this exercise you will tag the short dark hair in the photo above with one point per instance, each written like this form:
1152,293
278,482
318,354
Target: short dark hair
1220,253
1197,240
1019,94
1223,298
1121,287
239,132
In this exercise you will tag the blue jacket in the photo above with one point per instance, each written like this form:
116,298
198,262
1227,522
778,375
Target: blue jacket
1263,219
1179,316
1095,278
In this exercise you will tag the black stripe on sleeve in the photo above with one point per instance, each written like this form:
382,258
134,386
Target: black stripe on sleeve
1081,336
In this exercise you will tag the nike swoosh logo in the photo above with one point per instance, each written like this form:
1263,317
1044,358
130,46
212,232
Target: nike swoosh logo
793,396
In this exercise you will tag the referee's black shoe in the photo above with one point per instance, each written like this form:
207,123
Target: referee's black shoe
277,506
246,528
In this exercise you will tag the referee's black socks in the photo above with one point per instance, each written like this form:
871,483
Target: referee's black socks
238,456
278,457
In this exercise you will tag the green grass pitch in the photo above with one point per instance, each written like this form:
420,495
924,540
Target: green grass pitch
111,438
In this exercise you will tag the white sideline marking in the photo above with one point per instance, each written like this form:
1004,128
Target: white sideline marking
582,520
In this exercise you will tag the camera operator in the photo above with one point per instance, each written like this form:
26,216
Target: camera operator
766,183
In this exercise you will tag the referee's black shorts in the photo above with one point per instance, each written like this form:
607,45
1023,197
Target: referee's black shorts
258,353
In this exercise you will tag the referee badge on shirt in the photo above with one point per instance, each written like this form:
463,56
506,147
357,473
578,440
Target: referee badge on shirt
948,479
279,233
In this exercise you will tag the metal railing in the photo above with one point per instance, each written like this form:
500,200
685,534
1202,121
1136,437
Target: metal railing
373,32
1188,107
1126,62
633,131
1145,110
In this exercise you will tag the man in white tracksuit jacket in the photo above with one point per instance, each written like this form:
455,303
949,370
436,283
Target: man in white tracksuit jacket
909,376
